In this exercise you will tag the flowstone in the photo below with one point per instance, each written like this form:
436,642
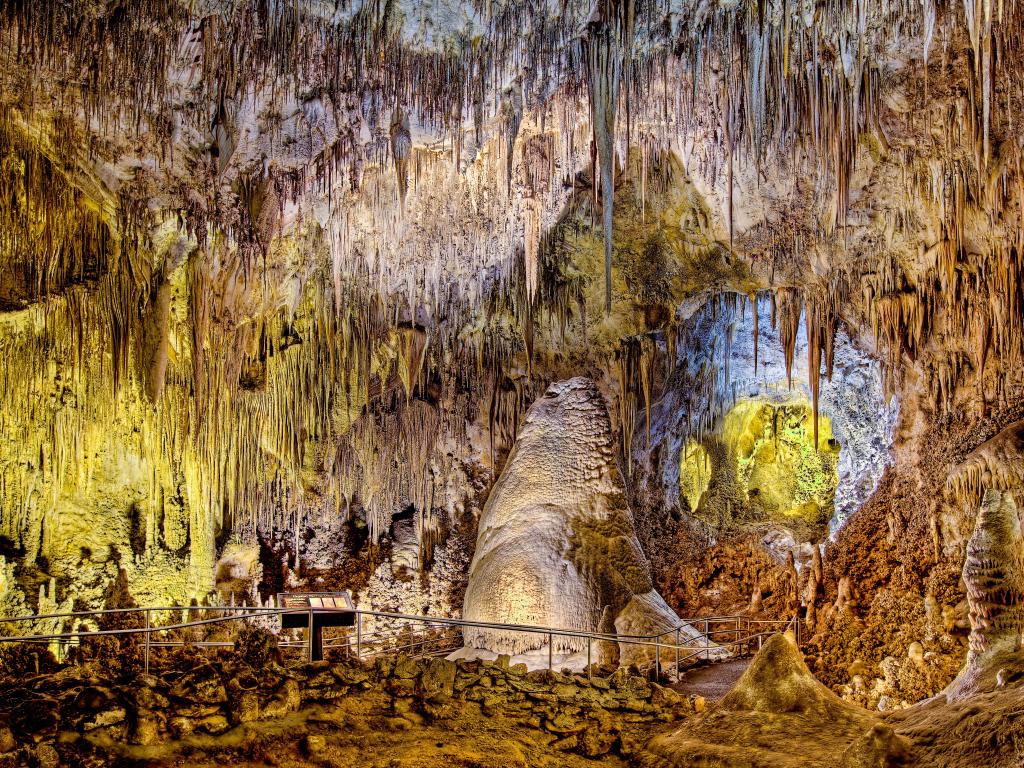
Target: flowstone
556,545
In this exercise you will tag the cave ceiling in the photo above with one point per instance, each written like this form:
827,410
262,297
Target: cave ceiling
230,230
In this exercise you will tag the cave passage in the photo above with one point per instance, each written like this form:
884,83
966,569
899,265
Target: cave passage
647,374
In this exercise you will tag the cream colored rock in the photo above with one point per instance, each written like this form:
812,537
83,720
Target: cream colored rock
556,543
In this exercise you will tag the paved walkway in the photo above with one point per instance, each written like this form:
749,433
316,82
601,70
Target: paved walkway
712,681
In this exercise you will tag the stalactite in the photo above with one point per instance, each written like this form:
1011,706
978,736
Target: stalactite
238,394
610,33
401,150
635,366
821,321
538,154
755,317
788,305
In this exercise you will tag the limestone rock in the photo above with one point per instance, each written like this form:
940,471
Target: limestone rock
438,679
556,542
201,685
994,577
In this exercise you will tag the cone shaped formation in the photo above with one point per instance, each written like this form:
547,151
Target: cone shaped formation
779,715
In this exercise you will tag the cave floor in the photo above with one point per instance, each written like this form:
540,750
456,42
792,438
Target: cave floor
712,681
363,731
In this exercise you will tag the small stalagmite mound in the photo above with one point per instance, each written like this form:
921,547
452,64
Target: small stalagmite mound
779,716
778,682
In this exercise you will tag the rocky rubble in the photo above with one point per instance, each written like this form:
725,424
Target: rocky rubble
54,719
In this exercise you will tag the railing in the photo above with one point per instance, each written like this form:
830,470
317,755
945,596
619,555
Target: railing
737,635
722,636
655,643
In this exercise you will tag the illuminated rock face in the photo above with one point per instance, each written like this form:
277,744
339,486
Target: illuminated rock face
778,466
556,545
860,418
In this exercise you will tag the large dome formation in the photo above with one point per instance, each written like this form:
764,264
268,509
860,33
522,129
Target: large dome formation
591,313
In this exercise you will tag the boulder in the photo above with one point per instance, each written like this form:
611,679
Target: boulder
438,679
202,685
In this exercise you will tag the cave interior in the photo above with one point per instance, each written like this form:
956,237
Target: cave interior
649,374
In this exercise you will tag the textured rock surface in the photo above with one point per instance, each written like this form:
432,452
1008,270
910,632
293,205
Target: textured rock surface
323,712
994,576
281,279
994,579
862,418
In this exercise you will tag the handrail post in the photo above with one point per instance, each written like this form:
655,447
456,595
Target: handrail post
657,659
677,654
359,635
590,641
707,642
147,641
309,636
551,650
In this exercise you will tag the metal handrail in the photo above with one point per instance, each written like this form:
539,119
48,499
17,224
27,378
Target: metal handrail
254,610
524,628
156,609
138,630
238,613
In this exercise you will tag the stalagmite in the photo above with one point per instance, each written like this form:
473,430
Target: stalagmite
793,588
554,513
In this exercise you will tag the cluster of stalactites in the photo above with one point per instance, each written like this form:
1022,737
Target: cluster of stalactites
163,58
49,238
231,417
242,423
764,78
974,300
997,464
820,310
699,366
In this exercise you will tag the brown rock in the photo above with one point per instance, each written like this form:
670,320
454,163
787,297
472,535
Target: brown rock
438,679
46,756
314,745
107,717
349,675
595,742
36,717
148,728
566,743
200,685
406,668
213,724
286,699
563,723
